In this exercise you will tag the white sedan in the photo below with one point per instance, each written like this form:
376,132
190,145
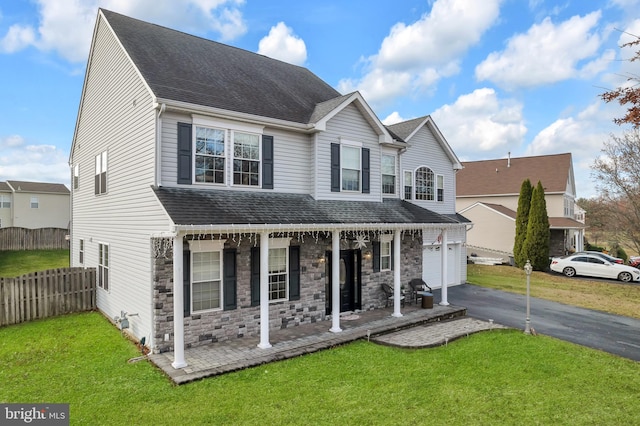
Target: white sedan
593,266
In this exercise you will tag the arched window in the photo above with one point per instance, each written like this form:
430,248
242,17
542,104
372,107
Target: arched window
424,184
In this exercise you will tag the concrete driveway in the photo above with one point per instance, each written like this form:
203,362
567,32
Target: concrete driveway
610,333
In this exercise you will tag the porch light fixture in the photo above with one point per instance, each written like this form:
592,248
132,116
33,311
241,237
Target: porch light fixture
367,254
527,270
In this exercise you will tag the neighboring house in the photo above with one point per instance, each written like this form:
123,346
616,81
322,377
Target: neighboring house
488,191
34,205
221,193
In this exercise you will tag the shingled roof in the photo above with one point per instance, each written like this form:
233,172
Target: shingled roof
182,67
41,187
504,176
221,207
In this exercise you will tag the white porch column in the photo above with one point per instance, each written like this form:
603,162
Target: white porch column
335,282
264,291
443,275
178,304
396,274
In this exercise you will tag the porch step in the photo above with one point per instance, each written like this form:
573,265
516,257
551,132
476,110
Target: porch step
436,334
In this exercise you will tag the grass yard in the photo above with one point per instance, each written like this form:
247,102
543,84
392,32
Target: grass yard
16,263
608,296
490,378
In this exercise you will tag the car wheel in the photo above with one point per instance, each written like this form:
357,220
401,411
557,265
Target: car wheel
569,272
625,277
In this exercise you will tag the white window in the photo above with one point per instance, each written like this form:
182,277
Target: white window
81,251
424,184
103,266
408,184
440,187
278,269
388,167
246,159
210,155
35,203
385,252
101,173
76,176
350,161
5,201
206,275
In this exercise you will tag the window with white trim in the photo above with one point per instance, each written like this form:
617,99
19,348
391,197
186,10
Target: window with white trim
206,275
440,187
388,168
408,184
278,269
350,163
34,203
424,184
385,252
5,201
246,159
101,173
103,266
210,155
76,176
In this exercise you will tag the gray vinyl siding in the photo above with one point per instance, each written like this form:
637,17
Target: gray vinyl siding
293,159
348,124
424,150
117,116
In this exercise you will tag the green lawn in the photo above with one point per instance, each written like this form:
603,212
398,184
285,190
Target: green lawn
16,263
496,377
608,296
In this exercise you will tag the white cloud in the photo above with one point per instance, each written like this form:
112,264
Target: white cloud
423,52
38,163
17,38
480,123
65,27
583,135
547,53
393,118
283,44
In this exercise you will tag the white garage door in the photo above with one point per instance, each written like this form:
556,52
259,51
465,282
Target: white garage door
432,263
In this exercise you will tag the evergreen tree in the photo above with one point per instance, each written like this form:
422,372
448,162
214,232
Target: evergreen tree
536,245
522,218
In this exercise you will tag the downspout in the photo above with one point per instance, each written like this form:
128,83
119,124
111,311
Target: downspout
158,154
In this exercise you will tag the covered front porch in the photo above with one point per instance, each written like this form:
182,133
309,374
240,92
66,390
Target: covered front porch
224,357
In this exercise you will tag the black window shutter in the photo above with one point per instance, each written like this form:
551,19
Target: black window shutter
186,281
376,256
366,171
294,273
391,260
335,167
184,153
267,162
255,276
229,279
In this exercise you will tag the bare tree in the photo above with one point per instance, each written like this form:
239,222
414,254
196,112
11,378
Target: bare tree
617,175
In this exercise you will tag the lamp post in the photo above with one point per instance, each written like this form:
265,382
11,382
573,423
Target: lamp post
527,270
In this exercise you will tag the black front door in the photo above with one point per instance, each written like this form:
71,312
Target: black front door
350,270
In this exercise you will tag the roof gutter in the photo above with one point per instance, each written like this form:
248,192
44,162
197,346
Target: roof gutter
248,228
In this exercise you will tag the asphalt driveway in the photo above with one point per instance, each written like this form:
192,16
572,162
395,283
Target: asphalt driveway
611,333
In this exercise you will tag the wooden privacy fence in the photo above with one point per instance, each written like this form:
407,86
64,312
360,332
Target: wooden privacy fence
15,238
46,294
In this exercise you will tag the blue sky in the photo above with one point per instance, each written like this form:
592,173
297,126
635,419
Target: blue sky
497,76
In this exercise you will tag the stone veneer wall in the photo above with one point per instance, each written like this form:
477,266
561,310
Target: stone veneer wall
218,326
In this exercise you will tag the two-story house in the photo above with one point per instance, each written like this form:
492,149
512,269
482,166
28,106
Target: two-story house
34,205
488,192
221,193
